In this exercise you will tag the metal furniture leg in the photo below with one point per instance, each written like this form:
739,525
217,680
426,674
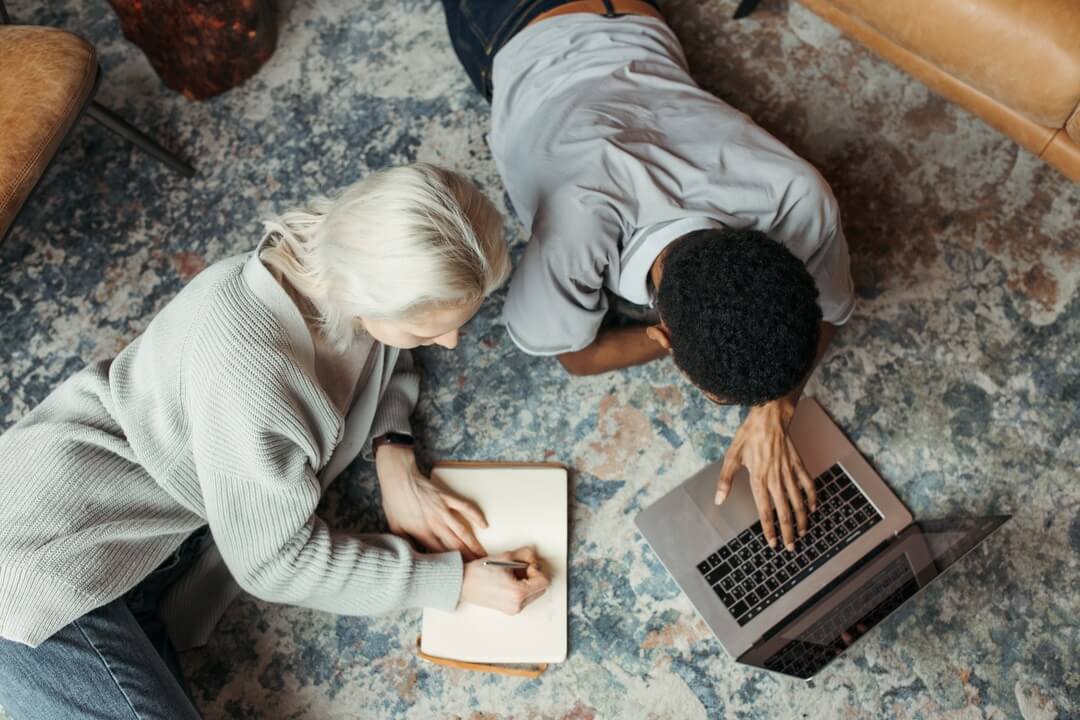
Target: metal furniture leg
118,125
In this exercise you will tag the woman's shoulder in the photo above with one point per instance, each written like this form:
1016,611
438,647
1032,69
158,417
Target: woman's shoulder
215,274
239,361
207,290
230,327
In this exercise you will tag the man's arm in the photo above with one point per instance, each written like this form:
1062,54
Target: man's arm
613,349
776,470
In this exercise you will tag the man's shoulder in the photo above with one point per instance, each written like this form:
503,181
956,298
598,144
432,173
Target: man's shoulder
573,222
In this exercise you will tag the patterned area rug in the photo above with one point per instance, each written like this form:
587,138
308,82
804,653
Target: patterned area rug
957,376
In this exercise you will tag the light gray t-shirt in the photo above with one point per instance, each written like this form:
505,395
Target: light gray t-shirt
609,151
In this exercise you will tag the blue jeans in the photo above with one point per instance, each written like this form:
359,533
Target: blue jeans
114,662
479,29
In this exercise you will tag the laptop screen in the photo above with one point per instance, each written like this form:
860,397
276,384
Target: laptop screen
831,621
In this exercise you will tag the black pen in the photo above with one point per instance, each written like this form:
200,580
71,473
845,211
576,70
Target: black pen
516,564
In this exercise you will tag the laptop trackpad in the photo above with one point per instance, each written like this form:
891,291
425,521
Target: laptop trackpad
736,514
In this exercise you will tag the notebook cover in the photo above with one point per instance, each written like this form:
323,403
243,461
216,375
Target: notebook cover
524,504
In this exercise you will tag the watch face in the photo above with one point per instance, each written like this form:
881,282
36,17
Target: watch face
399,438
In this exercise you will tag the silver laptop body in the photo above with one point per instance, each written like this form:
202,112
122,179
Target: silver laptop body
685,526
861,559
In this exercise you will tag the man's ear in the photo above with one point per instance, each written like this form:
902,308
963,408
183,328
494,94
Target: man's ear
659,333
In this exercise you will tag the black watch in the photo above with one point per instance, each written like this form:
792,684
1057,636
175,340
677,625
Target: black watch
392,438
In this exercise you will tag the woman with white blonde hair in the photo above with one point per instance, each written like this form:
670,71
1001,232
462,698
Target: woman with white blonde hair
146,490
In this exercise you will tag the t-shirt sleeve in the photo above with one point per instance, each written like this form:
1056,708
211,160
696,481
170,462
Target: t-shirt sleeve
556,302
808,224
831,269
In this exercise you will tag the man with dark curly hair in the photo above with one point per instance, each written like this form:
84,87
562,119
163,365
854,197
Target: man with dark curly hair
739,314
640,189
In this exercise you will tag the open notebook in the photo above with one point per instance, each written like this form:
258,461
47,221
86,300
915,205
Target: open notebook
524,505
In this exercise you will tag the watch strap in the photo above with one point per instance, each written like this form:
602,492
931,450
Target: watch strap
392,438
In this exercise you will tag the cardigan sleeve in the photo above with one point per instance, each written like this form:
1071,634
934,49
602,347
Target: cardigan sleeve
399,399
254,450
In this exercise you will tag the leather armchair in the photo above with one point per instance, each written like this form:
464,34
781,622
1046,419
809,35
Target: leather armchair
47,77
47,81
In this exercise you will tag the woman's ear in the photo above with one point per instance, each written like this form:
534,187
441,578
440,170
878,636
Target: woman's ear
659,334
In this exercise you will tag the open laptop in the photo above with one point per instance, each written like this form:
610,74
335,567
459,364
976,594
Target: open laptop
861,558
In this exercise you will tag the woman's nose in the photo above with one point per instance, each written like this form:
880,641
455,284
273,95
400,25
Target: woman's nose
449,340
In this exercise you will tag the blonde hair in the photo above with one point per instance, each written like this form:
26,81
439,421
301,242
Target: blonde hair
400,241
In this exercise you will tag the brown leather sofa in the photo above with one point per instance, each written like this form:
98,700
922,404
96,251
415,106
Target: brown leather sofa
1014,63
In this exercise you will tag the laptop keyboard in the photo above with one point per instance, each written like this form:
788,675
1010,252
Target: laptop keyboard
748,576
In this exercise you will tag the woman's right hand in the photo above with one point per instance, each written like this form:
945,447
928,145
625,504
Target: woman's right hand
501,588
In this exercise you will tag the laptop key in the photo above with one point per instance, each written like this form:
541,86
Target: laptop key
724,595
714,560
703,567
739,608
724,552
717,572
752,598
728,583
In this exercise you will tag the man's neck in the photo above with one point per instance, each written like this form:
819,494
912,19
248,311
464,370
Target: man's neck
656,271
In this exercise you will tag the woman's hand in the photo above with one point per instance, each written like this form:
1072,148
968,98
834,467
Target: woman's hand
501,588
436,518
778,478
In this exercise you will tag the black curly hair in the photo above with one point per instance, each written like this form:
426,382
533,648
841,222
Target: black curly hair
741,312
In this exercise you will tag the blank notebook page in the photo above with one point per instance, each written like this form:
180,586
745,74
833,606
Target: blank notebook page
523,506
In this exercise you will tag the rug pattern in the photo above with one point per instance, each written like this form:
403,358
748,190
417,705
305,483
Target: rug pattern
957,376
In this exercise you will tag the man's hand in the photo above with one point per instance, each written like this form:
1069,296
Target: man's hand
776,470
436,518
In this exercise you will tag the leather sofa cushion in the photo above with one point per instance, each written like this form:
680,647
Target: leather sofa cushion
1063,153
1023,53
46,78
